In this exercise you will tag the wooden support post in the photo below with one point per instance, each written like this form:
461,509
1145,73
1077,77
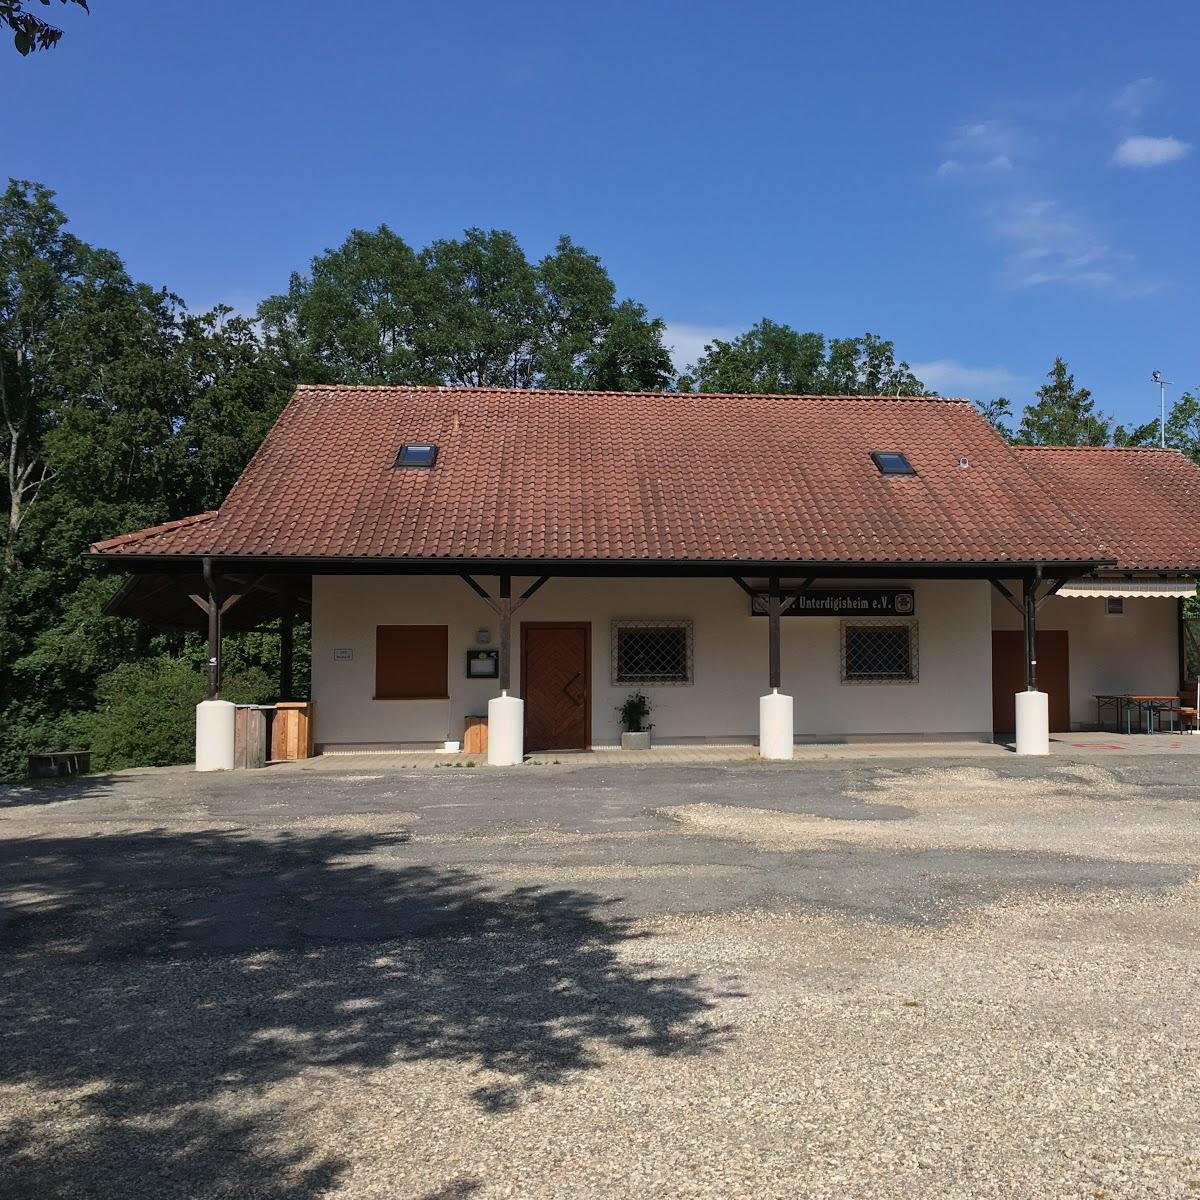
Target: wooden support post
287,649
1031,605
504,611
504,608
213,587
774,608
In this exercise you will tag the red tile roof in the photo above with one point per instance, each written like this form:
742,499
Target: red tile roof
529,475
1143,504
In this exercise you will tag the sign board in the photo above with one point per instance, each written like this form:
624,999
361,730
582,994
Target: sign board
841,602
483,664
343,654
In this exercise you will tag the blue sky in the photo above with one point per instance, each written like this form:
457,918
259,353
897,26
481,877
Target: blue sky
988,185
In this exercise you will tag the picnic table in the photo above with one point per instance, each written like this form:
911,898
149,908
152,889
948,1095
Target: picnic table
1126,704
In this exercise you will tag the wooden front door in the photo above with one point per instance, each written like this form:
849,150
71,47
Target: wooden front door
1008,677
556,685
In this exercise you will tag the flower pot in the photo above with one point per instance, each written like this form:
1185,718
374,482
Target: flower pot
636,741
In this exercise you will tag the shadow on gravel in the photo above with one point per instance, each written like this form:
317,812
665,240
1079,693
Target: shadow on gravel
53,791
152,985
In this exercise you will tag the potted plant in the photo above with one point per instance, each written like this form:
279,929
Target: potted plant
635,729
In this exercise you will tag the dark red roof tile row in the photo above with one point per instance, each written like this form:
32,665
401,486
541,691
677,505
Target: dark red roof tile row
1144,504
619,476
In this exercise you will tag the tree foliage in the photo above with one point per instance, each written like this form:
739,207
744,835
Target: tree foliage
30,32
1183,425
473,311
118,409
999,414
1063,415
773,358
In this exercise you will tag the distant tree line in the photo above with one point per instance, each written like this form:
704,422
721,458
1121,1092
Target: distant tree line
120,408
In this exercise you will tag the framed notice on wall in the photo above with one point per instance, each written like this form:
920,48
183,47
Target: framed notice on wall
841,602
483,664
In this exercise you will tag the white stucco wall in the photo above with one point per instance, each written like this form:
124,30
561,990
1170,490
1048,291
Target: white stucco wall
952,696
1135,653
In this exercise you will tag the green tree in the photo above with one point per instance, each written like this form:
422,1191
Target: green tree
471,312
589,338
773,358
1063,414
1136,435
359,316
118,409
1183,425
37,267
998,413
30,32
234,391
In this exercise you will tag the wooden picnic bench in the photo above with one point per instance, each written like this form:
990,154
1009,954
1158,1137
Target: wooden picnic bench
1150,706
59,764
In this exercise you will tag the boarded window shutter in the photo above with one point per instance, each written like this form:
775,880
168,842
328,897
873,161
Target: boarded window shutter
411,662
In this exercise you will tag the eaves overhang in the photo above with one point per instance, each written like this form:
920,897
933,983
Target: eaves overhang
608,567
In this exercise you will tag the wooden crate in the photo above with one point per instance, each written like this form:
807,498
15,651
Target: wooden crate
475,736
292,731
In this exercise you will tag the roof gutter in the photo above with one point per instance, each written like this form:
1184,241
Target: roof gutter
695,568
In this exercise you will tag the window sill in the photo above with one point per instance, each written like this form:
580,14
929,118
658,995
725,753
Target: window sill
439,697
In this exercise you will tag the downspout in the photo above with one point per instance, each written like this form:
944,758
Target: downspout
1030,598
214,629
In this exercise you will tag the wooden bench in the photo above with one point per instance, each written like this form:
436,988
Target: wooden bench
60,764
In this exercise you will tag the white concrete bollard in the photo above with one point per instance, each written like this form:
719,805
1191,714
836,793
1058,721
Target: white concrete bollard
506,731
1033,723
775,726
214,735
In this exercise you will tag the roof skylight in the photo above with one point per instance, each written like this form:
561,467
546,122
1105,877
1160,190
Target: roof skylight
417,454
892,462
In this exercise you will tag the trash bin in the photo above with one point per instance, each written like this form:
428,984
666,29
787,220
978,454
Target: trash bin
249,737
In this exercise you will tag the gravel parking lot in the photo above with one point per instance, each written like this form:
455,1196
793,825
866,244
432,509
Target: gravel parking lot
883,978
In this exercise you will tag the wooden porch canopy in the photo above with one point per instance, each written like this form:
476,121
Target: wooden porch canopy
213,603
180,601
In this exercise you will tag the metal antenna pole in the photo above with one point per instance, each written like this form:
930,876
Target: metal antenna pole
1163,384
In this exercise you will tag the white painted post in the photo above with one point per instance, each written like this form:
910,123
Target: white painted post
1033,723
506,731
214,735
776,726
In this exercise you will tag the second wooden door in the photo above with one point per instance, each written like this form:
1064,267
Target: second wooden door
1008,677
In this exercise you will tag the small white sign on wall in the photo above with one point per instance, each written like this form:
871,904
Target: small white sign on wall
343,654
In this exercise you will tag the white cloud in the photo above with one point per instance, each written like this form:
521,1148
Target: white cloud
981,148
1134,98
950,377
955,166
986,138
1050,245
1141,151
686,342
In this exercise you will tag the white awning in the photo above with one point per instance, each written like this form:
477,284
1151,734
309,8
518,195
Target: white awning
1129,589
